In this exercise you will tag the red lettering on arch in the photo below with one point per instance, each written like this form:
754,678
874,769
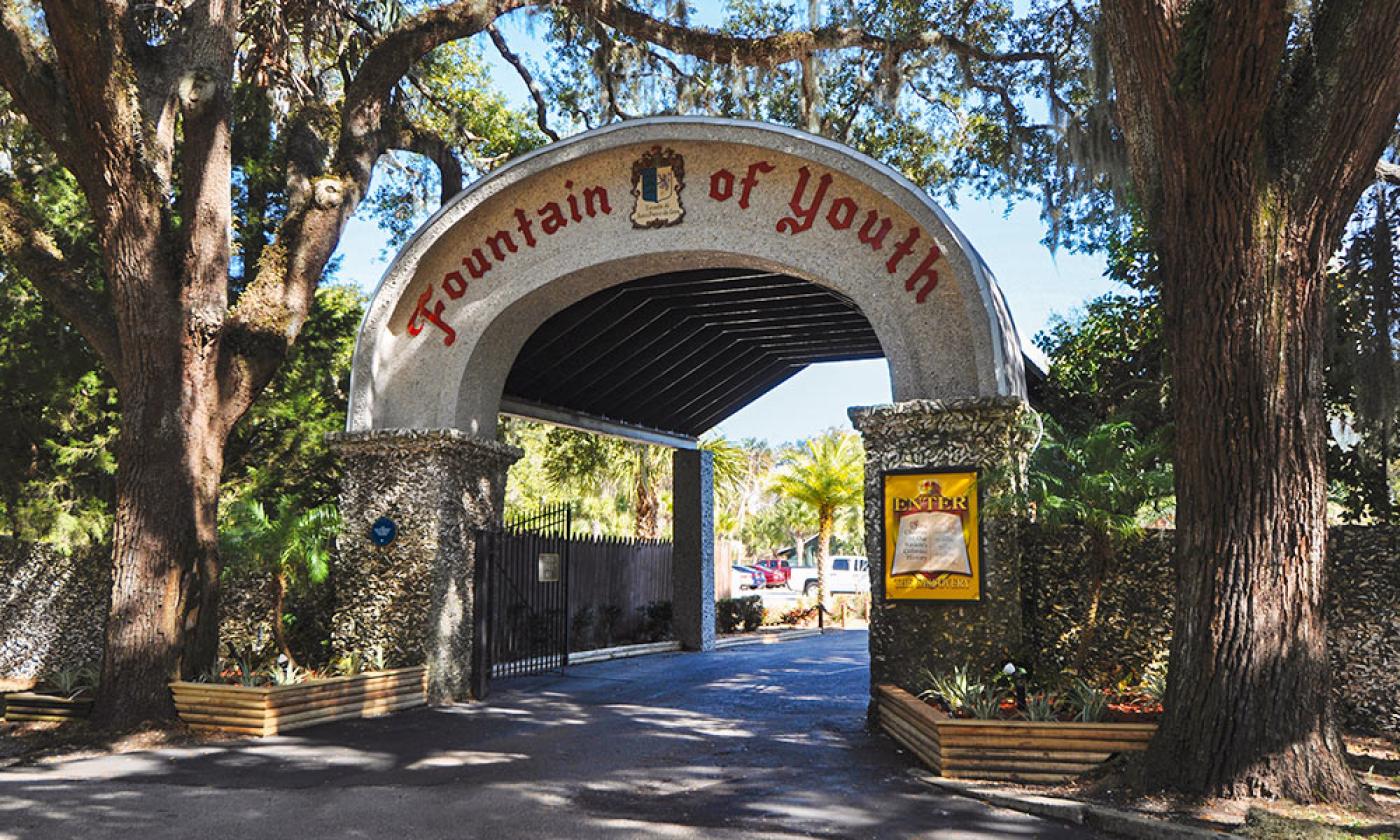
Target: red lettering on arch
433,316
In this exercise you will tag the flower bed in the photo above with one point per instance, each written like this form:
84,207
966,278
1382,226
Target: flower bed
30,706
272,709
1002,750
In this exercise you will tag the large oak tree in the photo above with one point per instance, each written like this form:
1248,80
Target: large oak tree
137,102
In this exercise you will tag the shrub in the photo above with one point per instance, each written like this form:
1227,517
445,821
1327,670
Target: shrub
853,606
607,624
71,682
581,629
656,621
733,614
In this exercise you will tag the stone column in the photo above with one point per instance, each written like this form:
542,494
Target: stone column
990,433
693,552
412,599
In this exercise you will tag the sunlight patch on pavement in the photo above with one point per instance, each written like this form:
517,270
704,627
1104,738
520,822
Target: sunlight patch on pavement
464,758
682,720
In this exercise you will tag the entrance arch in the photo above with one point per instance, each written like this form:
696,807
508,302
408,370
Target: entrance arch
557,225
645,199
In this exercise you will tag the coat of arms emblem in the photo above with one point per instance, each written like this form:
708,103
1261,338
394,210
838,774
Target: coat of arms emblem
657,180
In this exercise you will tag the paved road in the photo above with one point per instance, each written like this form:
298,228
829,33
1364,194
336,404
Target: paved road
757,742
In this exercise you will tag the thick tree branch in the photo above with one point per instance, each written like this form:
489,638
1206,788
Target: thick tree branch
1388,172
1142,43
89,41
205,96
411,138
721,48
33,84
541,109
389,60
324,192
1350,102
34,252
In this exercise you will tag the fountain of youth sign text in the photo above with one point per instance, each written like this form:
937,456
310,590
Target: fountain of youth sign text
657,185
930,535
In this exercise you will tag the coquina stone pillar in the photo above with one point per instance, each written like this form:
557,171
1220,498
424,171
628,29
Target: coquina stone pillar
412,598
693,548
993,434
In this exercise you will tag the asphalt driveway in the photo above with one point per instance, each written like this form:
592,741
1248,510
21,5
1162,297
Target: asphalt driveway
757,742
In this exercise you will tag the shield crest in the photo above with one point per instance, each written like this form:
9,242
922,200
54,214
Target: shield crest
657,180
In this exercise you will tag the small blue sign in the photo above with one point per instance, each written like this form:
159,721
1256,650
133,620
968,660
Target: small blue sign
383,531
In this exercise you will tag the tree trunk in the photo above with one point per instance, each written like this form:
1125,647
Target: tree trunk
1382,379
647,526
279,604
1248,704
1100,555
826,521
163,622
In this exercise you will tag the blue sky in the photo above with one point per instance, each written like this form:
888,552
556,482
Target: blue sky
1037,284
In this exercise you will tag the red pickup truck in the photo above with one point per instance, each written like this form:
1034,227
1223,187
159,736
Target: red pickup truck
776,569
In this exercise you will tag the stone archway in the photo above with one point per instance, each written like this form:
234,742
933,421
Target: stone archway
633,200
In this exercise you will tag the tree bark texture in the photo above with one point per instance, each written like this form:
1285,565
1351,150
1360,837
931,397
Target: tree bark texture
1247,161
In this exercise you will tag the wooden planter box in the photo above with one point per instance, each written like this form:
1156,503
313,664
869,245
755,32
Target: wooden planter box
269,710
1002,750
27,705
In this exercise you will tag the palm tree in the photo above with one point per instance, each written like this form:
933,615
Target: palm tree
292,548
740,470
827,474
1108,481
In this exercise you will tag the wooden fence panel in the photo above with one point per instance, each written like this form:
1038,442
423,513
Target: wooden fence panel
611,572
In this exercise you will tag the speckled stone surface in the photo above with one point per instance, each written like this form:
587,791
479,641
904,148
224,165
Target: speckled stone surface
413,597
693,555
53,608
993,434
1137,601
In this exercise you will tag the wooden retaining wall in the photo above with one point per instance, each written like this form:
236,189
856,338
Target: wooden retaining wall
30,706
269,710
1003,750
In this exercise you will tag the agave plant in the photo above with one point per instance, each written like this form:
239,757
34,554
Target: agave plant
985,704
73,681
1042,706
1089,702
1154,681
956,690
287,672
246,661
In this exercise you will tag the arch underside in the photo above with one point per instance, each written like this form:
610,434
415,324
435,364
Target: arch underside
826,255
681,352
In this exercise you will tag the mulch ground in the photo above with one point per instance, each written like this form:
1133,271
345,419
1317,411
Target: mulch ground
1377,760
28,744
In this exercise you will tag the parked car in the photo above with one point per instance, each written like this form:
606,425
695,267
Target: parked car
747,577
778,570
847,574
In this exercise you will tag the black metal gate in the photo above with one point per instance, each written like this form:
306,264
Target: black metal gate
521,597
